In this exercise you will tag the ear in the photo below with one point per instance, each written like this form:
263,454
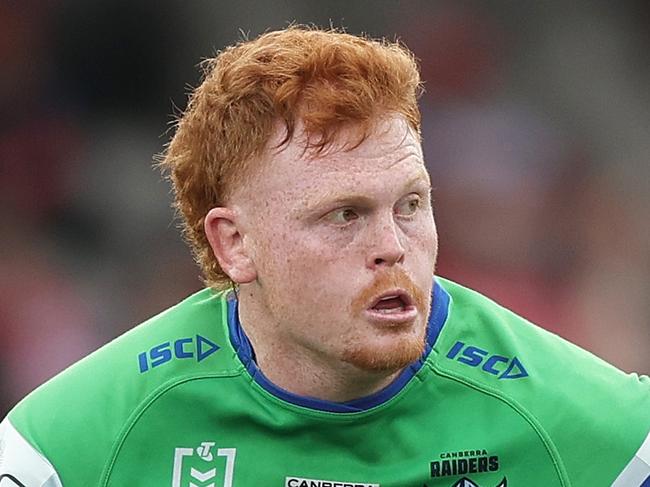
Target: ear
227,242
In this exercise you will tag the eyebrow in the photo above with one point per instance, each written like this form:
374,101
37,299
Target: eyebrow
354,199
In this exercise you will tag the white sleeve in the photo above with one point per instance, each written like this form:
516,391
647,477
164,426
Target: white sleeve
20,464
637,472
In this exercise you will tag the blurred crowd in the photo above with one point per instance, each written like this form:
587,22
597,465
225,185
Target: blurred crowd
536,129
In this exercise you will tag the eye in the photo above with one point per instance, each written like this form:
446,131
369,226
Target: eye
408,206
342,216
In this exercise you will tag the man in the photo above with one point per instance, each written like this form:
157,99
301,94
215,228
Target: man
337,359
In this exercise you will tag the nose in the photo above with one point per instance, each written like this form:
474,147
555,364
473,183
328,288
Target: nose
385,245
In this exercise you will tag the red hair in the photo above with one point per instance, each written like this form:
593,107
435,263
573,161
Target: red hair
324,78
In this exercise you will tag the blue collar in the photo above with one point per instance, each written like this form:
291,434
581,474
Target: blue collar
242,345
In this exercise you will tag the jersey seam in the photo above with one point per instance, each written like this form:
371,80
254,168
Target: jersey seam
144,405
530,418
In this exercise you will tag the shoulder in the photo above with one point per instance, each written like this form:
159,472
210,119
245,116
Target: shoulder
591,413
75,419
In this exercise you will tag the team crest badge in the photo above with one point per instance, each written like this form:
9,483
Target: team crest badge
204,466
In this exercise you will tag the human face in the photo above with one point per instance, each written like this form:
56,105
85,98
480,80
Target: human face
344,247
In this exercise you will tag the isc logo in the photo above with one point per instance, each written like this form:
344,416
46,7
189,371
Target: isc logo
503,367
183,348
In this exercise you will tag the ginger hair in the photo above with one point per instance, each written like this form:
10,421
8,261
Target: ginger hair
324,79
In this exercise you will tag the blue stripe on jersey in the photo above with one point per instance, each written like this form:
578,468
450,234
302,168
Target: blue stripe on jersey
646,482
241,343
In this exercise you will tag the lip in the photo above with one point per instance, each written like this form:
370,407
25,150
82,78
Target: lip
406,314
393,293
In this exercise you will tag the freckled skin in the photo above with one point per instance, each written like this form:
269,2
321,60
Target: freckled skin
319,230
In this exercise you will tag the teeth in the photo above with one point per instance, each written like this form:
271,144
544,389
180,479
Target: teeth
388,311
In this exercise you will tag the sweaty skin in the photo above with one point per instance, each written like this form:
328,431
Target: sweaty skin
314,240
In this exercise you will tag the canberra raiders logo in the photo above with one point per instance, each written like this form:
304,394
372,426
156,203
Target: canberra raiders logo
205,466
465,482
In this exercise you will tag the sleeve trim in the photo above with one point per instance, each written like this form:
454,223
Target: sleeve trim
637,472
21,465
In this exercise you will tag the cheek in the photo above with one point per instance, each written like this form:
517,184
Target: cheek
424,248
321,269
276,258
270,247
291,260
423,235
433,238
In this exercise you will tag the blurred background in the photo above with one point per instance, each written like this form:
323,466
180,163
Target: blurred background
536,132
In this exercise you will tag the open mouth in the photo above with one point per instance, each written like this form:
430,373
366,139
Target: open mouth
392,302
392,307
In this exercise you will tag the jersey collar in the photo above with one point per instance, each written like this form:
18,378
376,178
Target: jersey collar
242,345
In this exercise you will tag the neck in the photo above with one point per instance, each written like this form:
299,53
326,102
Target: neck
301,370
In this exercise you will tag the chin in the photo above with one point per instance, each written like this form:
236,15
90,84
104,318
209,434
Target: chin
387,353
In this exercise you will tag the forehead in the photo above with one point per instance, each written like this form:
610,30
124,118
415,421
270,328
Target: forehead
390,155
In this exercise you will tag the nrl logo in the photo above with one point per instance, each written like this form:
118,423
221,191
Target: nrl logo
205,466
465,482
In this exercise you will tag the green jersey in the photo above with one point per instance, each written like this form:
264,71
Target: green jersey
179,401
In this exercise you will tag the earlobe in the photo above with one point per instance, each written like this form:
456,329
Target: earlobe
227,242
